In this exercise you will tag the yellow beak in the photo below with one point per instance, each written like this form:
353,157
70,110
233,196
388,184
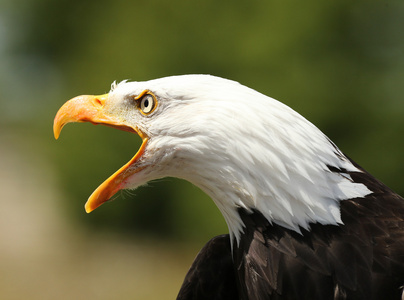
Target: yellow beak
91,109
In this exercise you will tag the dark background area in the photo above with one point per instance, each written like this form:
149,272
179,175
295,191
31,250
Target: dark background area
339,63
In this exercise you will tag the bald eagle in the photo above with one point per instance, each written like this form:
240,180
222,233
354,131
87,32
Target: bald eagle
305,221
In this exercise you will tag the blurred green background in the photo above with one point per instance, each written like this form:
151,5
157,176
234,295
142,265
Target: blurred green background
339,63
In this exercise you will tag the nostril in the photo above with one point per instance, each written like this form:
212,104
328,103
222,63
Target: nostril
98,101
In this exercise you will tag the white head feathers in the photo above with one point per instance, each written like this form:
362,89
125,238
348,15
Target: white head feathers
244,149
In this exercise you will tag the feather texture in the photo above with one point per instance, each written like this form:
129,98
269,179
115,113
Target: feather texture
305,222
245,150
362,259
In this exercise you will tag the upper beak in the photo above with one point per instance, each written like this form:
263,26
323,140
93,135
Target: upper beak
91,109
86,108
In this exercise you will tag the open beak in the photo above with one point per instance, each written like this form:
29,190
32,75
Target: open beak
91,109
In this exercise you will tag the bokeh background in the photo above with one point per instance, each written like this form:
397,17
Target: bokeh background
339,63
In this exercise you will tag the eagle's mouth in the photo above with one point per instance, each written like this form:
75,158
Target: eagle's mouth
115,182
91,109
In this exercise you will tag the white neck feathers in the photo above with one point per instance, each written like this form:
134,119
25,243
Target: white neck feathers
249,151
256,153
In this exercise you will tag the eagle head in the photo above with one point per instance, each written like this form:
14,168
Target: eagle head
244,149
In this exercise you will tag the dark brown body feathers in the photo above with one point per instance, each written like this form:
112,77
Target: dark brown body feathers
361,259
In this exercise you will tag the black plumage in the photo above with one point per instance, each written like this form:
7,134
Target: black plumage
361,259
212,274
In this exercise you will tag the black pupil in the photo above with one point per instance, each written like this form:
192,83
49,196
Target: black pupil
146,102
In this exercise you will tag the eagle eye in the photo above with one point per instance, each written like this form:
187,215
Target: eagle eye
147,104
